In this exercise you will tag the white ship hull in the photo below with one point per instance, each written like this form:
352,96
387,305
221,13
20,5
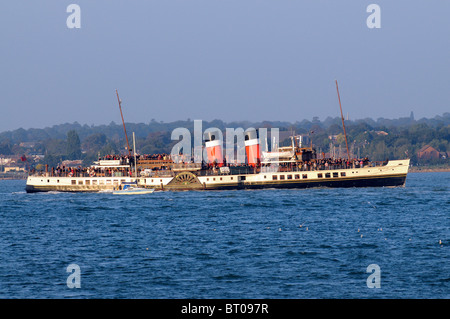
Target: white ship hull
391,175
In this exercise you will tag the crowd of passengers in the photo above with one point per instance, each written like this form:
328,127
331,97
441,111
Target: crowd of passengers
127,159
62,171
316,164
312,165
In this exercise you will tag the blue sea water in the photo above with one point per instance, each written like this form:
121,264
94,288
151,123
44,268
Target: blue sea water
294,244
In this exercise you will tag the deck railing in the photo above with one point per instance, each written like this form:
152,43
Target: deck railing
199,170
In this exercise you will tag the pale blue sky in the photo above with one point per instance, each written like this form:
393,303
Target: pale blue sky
221,59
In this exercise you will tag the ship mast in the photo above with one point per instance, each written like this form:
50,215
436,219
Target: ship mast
342,117
123,122
135,163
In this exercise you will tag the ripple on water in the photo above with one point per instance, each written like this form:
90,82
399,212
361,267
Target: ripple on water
309,243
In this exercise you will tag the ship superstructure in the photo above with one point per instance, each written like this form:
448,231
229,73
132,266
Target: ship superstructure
293,166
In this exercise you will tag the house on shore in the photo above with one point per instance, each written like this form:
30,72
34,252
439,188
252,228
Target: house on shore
428,152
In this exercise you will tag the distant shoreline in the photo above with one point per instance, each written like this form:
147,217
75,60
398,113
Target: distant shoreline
14,176
428,170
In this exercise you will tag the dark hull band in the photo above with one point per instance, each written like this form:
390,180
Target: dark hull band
69,189
393,181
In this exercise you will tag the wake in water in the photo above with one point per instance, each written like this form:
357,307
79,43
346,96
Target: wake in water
106,191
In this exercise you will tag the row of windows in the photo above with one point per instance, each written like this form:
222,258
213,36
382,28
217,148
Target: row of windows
95,182
281,177
295,176
274,177
328,175
305,176
100,182
220,178
153,180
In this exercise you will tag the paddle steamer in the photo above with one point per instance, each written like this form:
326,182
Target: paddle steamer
288,167
294,166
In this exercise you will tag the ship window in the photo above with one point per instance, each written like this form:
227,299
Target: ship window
74,182
122,181
265,176
94,182
152,180
327,175
101,182
48,181
304,175
57,180
80,182
88,182
108,182
242,178
281,176
207,179
274,177
231,178
297,176
319,175
335,174
214,178
342,174
221,178
289,177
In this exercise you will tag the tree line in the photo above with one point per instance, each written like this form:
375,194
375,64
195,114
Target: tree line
377,139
